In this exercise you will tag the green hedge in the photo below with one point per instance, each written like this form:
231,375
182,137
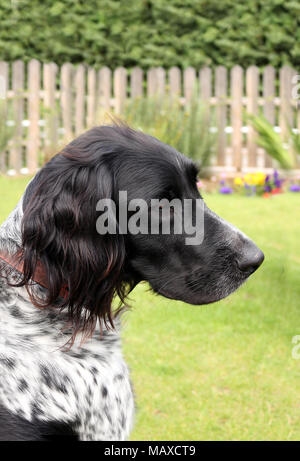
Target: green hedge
152,32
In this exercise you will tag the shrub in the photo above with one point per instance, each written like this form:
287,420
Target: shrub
152,33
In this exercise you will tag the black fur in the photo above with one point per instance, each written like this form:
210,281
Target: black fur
14,428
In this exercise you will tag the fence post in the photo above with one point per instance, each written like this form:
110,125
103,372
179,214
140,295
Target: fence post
50,70
189,84
175,81
269,105
136,83
120,88
66,100
161,81
296,98
3,102
286,111
91,97
237,115
151,82
252,82
79,99
34,76
297,84
104,78
156,81
221,112
205,84
15,158
3,79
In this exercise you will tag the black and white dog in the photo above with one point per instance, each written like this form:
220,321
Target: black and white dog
61,367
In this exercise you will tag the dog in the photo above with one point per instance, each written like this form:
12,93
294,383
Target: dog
62,373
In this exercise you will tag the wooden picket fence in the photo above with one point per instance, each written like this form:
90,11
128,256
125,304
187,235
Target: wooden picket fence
48,106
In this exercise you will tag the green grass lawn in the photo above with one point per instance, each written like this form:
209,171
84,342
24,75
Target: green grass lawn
224,371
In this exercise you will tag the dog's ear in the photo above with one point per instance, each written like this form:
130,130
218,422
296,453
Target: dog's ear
59,234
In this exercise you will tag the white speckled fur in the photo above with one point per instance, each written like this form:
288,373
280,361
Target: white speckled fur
87,387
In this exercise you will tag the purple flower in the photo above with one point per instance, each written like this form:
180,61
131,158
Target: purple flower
267,186
277,182
225,190
295,188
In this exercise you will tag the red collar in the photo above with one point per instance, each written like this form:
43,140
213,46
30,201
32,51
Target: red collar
39,275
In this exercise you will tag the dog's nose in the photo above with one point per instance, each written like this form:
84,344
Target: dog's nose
250,258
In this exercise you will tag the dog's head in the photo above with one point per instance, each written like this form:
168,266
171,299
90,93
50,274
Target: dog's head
61,211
